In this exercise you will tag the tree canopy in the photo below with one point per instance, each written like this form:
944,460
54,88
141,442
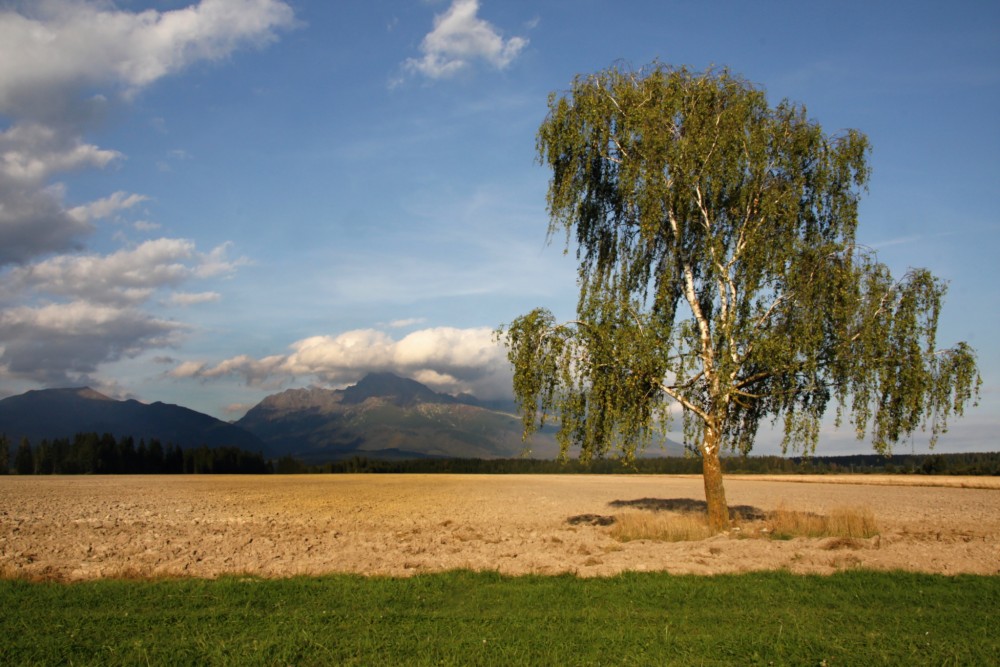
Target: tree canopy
719,272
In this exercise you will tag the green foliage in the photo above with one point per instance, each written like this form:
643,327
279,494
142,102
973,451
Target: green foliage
288,465
224,461
969,463
88,453
719,271
24,460
464,618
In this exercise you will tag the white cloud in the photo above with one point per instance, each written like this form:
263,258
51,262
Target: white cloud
253,371
31,152
52,55
187,369
447,348
126,277
63,45
105,208
101,320
331,357
145,226
33,222
64,343
217,262
192,299
447,359
460,38
407,322
33,219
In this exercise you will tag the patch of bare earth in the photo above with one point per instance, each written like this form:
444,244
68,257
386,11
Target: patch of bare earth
72,528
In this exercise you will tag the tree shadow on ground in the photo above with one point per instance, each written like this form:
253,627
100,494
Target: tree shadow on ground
742,512
590,520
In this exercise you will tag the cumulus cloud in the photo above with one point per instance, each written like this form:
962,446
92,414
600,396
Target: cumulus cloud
218,263
127,277
255,372
459,39
186,369
101,320
53,54
33,219
145,226
66,314
33,222
447,359
407,322
107,207
193,298
59,47
31,152
65,343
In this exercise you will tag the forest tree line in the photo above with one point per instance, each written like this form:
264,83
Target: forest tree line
919,464
93,454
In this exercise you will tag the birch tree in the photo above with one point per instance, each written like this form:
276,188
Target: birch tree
720,276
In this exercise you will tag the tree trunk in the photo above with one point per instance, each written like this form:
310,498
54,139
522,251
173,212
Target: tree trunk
715,493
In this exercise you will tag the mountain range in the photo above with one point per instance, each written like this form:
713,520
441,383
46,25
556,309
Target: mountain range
62,413
389,417
382,416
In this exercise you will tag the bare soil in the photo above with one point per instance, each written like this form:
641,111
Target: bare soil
74,528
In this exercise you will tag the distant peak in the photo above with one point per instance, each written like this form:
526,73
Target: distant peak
67,392
385,379
390,386
88,393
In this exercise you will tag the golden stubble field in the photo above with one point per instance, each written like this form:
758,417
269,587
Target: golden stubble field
73,528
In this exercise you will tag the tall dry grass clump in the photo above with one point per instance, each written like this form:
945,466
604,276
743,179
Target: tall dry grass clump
660,526
782,523
856,522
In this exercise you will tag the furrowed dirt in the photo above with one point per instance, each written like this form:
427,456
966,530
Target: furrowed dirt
75,528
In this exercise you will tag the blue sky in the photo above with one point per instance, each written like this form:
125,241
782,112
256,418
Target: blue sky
206,202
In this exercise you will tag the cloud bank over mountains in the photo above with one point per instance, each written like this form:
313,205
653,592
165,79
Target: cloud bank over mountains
446,359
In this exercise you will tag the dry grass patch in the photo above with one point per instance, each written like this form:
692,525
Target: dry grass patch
847,522
660,526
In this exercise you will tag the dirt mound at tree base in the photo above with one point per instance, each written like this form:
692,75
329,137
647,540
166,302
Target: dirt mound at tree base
73,528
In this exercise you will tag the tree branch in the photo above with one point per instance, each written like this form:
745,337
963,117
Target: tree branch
705,331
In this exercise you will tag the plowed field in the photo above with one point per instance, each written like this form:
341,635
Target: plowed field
71,528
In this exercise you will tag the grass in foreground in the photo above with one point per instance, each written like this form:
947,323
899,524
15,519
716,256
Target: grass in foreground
465,618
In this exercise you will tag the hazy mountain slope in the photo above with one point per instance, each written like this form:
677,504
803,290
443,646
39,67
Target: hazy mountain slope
385,416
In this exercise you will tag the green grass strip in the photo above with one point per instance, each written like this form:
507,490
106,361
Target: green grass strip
466,618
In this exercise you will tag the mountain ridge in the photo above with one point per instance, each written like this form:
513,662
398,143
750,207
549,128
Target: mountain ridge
41,414
385,415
